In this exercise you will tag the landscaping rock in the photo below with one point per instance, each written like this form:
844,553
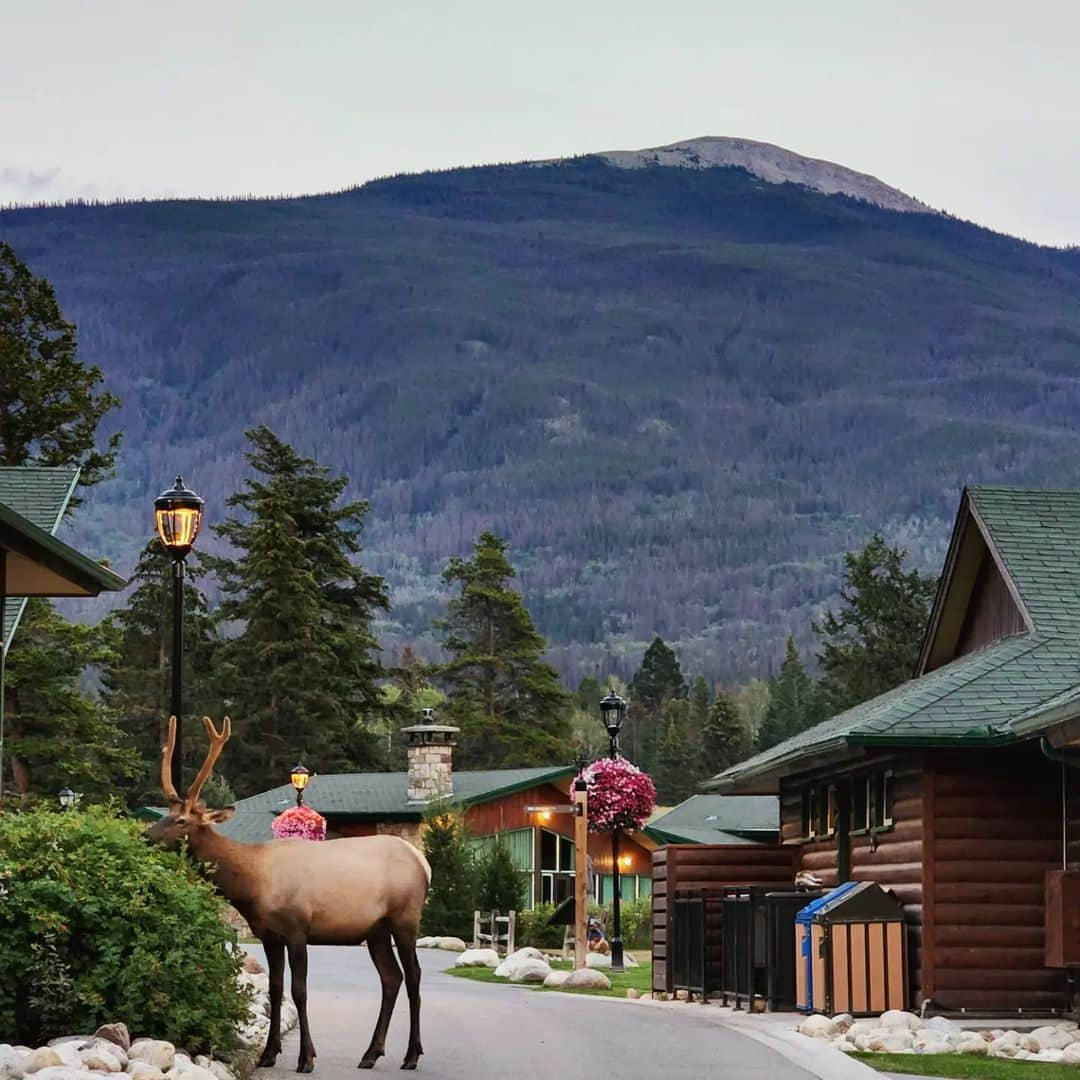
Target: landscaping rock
843,1022
976,1046
935,1046
632,993
515,958
66,1072
895,1019
100,1059
156,1052
587,978
895,1042
43,1057
861,1027
452,944
1050,1054
597,961
222,1071
557,978
486,958
11,1062
116,1033
1004,1047
818,1027
1071,1054
253,965
943,1025
427,943
845,1046
530,971
144,1071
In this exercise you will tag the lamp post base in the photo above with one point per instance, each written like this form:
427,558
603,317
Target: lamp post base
617,954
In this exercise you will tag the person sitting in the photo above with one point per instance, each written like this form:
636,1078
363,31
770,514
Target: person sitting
594,937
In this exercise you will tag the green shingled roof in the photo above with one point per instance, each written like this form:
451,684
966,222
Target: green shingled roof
377,797
40,494
1010,689
718,819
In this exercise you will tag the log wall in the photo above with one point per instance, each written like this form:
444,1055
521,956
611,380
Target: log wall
705,866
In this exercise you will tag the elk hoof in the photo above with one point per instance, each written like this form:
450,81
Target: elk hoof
267,1060
368,1061
410,1065
305,1066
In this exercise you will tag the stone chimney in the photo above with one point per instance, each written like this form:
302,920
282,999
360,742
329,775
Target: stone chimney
431,759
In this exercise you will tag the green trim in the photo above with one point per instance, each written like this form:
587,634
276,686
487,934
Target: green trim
520,785
27,539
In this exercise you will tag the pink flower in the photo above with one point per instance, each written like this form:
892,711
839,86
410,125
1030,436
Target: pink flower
301,823
621,796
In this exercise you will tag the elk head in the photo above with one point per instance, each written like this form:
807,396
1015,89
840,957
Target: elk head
188,815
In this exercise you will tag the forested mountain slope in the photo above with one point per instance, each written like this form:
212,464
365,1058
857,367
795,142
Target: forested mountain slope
681,393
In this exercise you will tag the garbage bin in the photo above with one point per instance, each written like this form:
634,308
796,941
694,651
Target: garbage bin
851,952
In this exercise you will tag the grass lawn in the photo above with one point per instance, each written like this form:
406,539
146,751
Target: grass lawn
639,978
964,1065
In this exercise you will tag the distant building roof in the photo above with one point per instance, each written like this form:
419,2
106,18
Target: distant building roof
374,796
718,819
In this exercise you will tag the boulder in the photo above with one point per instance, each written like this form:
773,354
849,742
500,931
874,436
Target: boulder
587,979
1028,1042
1067,1025
65,1072
116,1033
974,1046
897,1020
597,961
43,1057
253,965
844,1045
1071,1054
515,958
629,960
100,1059
1054,1038
556,979
185,1069
427,943
818,1027
896,1041
487,958
632,994
11,1062
529,971
222,1071
861,1027
156,1052
935,1046
144,1071
843,1021
452,944
1003,1048
1050,1054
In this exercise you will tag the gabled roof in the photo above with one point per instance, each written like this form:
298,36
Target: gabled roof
718,819
33,500
1013,688
379,796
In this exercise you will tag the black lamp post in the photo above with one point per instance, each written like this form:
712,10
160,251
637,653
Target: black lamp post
67,798
178,513
613,713
299,777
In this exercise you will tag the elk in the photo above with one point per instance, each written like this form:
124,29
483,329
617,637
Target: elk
296,893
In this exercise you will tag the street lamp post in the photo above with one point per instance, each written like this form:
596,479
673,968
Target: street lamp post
299,777
178,514
613,713
67,798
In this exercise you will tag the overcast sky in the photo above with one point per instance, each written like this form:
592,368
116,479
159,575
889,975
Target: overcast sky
971,106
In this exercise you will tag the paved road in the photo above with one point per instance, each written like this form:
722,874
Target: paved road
473,1031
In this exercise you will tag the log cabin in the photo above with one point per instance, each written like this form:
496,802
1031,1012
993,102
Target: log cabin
960,789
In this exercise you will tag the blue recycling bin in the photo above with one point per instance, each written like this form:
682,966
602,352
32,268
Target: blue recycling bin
805,998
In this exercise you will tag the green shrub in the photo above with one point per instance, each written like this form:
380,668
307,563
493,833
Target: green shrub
532,928
452,897
96,925
499,882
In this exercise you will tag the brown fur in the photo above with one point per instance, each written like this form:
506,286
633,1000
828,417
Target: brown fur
296,893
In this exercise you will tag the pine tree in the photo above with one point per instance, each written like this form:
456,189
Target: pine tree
658,681
678,771
700,698
872,643
300,677
137,678
50,404
507,701
451,899
725,741
794,703
499,884
57,735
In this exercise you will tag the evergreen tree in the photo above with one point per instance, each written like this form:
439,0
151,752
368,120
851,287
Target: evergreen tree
504,697
406,693
794,704
700,698
588,694
50,402
678,770
753,702
137,678
872,643
499,884
658,681
725,740
56,734
451,899
300,677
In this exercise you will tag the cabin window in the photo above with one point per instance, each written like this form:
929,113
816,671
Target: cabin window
881,799
860,804
809,813
831,799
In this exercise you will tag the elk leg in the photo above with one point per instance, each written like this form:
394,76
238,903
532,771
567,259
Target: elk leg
298,968
406,945
275,961
382,956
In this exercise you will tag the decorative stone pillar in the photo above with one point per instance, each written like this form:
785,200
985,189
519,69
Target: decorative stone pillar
430,751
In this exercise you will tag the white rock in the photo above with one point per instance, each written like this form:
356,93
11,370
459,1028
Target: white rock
186,1069
427,943
864,1039
1067,1025
289,1015
975,1046
895,1042
1054,1038
557,978
1002,1047
1028,1042
843,1021
942,1024
897,1020
43,1057
65,1072
861,1027
222,1071
70,1051
144,1071
628,960
470,958
587,978
155,1052
452,944
818,1027
597,961
935,1046
1071,1054
845,1046
1050,1054
530,971
100,1060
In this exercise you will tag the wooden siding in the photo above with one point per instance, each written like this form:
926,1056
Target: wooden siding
996,830
892,857
707,866
992,613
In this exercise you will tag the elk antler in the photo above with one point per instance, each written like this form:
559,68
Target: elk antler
217,744
166,763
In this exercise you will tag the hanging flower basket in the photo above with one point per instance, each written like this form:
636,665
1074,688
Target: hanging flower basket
621,796
300,823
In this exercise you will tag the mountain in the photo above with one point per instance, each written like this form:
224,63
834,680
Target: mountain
682,393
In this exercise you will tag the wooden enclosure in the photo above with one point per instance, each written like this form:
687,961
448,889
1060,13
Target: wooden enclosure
707,866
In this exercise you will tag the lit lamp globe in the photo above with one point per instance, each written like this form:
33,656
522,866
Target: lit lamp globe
178,513
299,777
613,714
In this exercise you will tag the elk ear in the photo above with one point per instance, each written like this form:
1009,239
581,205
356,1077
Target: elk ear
218,817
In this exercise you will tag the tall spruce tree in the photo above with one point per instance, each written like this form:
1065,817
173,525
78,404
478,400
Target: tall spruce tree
508,702
137,677
50,401
657,681
678,770
58,735
872,643
451,899
300,677
725,740
794,702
